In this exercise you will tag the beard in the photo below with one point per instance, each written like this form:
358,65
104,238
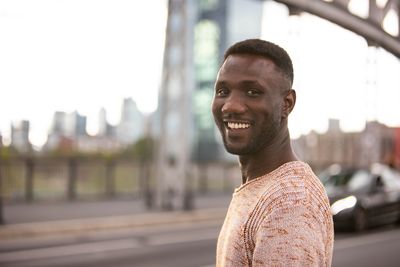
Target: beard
265,136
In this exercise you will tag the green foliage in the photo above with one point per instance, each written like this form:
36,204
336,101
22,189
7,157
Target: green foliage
142,149
7,151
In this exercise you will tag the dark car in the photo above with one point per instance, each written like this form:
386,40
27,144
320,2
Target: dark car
361,198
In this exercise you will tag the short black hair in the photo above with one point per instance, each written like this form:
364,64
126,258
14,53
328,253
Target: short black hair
266,49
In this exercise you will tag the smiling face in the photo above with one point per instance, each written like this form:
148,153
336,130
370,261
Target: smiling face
249,103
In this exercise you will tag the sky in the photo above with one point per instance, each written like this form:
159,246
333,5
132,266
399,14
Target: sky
78,55
67,55
336,74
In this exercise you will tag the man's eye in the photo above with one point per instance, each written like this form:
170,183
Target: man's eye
222,92
253,92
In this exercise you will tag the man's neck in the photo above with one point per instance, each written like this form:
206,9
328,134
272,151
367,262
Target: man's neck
266,160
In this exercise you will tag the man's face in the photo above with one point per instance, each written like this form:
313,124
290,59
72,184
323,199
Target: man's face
247,105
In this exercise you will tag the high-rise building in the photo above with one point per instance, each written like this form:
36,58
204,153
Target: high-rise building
198,32
58,123
56,131
105,129
65,129
75,124
376,143
215,24
20,136
131,125
220,23
102,122
68,124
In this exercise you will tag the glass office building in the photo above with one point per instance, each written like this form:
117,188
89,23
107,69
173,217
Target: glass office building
220,23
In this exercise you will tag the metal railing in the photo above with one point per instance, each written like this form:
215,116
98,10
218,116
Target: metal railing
69,178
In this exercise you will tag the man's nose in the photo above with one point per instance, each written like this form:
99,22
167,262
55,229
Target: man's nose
234,104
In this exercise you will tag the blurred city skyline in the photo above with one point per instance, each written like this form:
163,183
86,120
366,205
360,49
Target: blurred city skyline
84,55
77,55
68,131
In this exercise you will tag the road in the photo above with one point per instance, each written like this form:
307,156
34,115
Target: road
182,244
126,234
65,210
377,247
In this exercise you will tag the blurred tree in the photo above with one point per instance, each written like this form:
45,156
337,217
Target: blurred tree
7,152
141,149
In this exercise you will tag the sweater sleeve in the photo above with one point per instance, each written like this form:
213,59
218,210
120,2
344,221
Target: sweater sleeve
292,235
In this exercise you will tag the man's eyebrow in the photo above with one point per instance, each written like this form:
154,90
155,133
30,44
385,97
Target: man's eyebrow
220,83
242,83
249,83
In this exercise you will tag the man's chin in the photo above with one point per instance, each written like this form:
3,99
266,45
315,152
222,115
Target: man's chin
239,151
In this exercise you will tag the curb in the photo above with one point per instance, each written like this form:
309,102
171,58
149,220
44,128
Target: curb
74,226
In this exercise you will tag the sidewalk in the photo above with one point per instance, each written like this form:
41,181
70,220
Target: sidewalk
66,210
67,218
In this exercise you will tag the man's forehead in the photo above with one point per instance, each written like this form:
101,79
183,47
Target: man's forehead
240,68
247,62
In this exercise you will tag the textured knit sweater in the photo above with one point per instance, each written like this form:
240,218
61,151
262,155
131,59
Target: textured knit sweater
282,218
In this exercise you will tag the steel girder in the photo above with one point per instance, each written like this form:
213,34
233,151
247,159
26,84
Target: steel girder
370,28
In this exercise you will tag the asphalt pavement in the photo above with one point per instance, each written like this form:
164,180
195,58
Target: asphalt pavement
121,233
71,218
77,233
41,211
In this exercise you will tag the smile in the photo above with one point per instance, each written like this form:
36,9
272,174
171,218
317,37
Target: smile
236,125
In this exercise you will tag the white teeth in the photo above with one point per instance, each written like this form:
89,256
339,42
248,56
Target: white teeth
233,125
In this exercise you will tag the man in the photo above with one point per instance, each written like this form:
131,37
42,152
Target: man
280,215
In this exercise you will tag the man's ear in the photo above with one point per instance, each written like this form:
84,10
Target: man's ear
289,102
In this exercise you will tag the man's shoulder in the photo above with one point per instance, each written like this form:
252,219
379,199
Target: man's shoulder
293,176
295,183
297,175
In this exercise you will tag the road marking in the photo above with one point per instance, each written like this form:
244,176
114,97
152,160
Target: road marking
72,226
68,250
94,236
105,246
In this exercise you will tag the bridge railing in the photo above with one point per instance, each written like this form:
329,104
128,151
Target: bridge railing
69,178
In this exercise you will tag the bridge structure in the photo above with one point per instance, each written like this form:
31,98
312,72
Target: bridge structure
371,26
180,81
